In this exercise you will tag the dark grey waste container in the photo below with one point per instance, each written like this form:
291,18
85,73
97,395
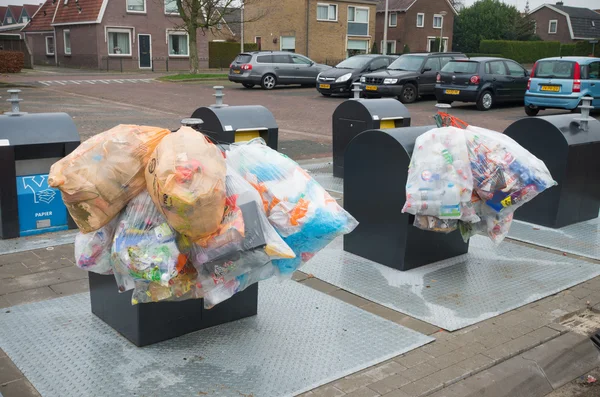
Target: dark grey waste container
29,145
354,116
572,155
376,169
238,123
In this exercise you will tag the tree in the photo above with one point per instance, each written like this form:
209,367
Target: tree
374,48
457,4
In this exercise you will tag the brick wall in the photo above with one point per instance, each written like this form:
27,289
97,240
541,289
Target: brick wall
37,45
84,53
542,18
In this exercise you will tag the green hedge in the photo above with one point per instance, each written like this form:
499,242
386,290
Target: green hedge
221,54
583,48
521,51
567,50
480,54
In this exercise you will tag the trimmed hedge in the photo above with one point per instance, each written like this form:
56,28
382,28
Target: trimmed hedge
583,48
521,51
221,54
480,54
567,50
11,61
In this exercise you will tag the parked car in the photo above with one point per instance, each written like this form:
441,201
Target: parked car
560,83
408,77
484,81
340,78
272,68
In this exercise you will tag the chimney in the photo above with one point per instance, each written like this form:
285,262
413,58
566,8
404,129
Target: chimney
560,3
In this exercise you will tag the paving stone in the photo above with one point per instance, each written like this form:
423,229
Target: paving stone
419,371
2,354
512,347
13,270
327,391
384,370
384,312
71,287
537,322
36,280
418,325
449,359
414,358
8,371
363,392
350,298
66,250
388,384
353,382
565,358
593,298
544,334
396,393
320,285
307,394
476,363
451,375
438,349
423,387
299,276
516,331
558,327
511,378
3,302
30,296
19,388
19,257
491,338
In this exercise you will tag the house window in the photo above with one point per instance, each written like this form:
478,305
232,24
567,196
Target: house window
552,26
178,44
25,19
420,20
393,20
326,12
119,42
288,43
8,19
534,27
136,5
49,45
356,47
391,47
258,41
431,44
437,21
171,7
67,40
358,21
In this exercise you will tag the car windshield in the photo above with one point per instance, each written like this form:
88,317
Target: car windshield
407,62
353,63
555,69
460,67
243,58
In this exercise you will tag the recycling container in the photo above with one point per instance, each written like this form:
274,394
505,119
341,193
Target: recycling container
354,116
376,170
231,124
29,144
572,154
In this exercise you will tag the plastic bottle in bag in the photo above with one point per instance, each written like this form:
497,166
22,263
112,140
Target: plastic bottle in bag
92,250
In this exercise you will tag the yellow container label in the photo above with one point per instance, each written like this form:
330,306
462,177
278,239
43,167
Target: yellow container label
387,124
242,136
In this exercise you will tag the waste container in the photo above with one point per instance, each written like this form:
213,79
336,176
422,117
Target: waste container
354,116
29,144
376,169
571,152
238,123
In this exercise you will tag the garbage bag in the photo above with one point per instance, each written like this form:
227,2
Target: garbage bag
186,180
302,212
99,178
181,287
92,250
433,224
144,246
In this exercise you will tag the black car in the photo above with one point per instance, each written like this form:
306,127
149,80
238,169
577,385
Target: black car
339,79
408,76
484,81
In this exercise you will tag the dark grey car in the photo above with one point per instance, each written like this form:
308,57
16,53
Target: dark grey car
271,68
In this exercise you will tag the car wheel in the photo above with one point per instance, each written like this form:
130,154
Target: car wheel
248,85
408,93
268,82
531,111
325,94
485,101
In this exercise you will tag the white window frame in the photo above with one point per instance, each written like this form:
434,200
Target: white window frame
9,20
393,47
534,27
25,19
441,21
165,9
390,20
138,48
328,5
119,30
422,15
134,11
175,32
65,41
368,20
444,39
53,45
550,26
281,43
357,38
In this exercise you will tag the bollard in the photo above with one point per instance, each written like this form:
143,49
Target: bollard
218,97
192,122
14,101
585,107
356,90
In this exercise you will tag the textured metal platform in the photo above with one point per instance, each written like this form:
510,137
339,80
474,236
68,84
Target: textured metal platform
300,339
457,292
323,173
35,242
579,239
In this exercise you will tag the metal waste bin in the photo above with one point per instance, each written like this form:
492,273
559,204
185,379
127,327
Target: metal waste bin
238,123
571,151
376,170
354,116
29,145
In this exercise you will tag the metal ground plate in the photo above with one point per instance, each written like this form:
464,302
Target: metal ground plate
579,239
323,173
300,339
456,292
36,242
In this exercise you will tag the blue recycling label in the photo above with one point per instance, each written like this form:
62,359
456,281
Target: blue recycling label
41,208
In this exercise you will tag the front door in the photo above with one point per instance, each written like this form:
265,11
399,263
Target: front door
144,51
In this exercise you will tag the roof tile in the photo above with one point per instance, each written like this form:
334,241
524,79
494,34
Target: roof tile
77,12
42,20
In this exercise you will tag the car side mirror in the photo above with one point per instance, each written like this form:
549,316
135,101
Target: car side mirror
426,70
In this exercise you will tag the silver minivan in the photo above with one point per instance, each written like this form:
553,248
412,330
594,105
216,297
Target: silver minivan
271,68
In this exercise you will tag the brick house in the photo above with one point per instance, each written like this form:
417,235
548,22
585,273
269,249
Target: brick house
14,18
114,34
323,30
557,22
415,23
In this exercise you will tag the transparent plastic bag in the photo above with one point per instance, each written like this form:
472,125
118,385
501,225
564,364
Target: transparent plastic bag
433,224
181,287
301,211
186,179
144,246
99,178
92,250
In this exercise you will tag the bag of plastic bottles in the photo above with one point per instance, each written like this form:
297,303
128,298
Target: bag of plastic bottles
181,287
186,179
301,211
92,250
99,178
144,246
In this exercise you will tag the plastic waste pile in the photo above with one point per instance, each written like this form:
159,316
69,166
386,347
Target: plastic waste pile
471,179
182,219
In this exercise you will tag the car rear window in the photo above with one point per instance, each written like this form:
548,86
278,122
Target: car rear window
555,69
243,58
461,67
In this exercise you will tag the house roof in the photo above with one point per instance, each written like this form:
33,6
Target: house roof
31,8
16,12
233,19
583,22
41,21
578,12
402,5
2,13
78,12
